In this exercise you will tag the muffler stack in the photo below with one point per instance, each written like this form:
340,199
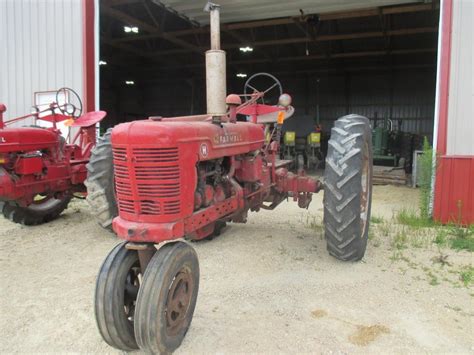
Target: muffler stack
215,66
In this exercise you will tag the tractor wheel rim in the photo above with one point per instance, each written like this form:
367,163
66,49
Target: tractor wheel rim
43,203
179,300
40,199
132,284
365,191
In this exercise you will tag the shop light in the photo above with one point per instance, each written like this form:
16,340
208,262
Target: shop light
241,75
129,82
246,49
130,29
102,62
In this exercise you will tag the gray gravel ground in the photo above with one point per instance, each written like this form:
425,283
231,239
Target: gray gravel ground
267,287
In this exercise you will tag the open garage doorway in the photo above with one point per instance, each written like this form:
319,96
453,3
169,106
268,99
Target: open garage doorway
333,60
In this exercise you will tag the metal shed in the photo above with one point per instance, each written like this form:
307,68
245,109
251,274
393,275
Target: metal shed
454,123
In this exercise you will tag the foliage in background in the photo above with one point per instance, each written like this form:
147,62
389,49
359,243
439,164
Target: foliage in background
427,166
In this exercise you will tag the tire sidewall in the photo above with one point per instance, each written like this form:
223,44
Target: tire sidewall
161,270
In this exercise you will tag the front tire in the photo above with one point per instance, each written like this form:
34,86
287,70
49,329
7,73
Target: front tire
348,188
115,297
167,298
36,213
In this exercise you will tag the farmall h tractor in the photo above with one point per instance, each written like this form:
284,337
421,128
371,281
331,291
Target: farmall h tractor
185,177
39,172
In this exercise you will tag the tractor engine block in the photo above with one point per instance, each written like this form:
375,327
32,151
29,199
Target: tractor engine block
177,178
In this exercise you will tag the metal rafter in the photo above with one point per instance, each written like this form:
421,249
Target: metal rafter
122,16
291,20
319,38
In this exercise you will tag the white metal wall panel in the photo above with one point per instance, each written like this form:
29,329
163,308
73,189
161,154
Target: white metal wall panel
460,139
41,43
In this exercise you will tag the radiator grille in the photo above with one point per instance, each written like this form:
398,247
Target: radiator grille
147,180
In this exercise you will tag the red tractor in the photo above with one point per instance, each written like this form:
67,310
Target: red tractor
39,171
180,178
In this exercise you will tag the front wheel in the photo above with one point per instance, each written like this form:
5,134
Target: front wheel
115,297
167,298
348,188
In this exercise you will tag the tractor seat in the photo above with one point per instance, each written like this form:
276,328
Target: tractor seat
89,119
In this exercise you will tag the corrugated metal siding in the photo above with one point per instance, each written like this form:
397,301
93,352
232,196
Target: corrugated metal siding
42,50
454,192
404,97
461,89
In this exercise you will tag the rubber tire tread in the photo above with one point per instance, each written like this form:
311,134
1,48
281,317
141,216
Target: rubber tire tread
342,188
100,182
29,217
150,321
108,299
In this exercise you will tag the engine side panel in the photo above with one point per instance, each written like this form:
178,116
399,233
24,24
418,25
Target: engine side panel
155,164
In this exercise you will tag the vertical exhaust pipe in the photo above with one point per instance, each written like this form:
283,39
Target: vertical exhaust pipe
215,66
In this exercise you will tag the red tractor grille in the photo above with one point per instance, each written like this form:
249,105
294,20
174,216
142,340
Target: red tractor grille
147,180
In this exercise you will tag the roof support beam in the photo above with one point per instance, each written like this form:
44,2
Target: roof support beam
320,38
291,20
316,57
122,16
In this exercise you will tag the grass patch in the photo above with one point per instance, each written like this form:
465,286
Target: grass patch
467,275
428,164
462,238
463,243
376,219
433,279
412,219
400,240
313,222
441,237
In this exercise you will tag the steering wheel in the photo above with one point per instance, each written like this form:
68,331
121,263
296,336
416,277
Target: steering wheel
276,84
69,109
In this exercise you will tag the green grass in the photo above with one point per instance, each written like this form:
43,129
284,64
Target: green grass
376,219
467,275
461,238
400,240
427,166
412,219
433,279
441,237
466,243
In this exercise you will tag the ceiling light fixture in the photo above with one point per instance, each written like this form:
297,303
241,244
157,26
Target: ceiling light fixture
246,49
241,75
102,62
132,29
129,82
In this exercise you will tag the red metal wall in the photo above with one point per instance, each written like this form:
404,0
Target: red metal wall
454,190
454,187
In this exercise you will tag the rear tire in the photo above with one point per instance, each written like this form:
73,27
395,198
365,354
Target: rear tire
167,298
100,182
35,213
348,188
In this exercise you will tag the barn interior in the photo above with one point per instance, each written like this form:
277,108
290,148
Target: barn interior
375,58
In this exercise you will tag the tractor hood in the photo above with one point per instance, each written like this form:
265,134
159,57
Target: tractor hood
26,139
210,141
